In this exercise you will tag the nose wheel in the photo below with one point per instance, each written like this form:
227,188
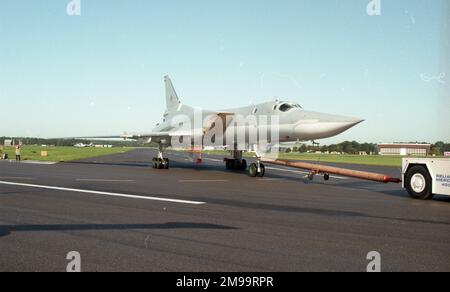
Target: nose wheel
257,170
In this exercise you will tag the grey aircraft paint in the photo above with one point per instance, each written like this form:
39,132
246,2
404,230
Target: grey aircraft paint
295,123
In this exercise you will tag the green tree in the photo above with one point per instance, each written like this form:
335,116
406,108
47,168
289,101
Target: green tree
333,148
303,148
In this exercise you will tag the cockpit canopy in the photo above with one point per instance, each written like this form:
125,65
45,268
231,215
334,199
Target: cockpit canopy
286,106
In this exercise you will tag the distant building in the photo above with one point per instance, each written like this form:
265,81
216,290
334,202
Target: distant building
404,149
8,143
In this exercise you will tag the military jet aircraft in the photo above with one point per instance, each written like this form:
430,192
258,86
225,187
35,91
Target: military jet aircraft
195,129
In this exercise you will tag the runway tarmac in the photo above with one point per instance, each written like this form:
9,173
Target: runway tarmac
122,215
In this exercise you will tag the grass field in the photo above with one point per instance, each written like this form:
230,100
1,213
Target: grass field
61,154
394,161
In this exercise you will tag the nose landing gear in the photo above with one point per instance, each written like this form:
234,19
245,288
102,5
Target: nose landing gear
257,169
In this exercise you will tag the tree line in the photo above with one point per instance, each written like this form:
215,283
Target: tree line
439,148
353,147
69,142
348,147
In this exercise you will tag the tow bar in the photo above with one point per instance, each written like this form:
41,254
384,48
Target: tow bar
315,169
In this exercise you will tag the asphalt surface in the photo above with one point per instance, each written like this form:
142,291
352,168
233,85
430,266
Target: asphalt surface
204,218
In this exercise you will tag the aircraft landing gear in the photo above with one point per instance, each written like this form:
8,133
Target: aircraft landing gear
160,162
257,169
237,163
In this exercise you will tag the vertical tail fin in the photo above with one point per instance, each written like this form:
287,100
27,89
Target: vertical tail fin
172,99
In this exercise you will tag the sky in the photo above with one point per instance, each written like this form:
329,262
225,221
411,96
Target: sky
101,72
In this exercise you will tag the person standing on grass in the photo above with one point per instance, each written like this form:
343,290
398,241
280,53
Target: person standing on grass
18,158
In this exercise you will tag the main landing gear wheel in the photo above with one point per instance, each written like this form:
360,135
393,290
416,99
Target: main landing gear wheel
244,165
228,164
235,164
253,170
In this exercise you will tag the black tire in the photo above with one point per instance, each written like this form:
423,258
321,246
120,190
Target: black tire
166,163
228,164
244,165
326,177
262,170
421,172
236,164
253,170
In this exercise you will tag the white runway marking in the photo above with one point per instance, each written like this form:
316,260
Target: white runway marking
269,179
102,193
215,160
202,180
105,180
17,177
287,170
301,172
38,162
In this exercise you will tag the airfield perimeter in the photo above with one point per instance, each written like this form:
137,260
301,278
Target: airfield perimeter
204,218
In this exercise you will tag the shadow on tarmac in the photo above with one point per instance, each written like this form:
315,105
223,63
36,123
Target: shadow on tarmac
8,229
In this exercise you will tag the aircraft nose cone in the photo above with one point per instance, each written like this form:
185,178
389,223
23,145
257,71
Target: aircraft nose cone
339,121
338,125
335,128
320,126
352,122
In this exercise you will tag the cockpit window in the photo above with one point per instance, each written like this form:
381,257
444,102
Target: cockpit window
285,107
